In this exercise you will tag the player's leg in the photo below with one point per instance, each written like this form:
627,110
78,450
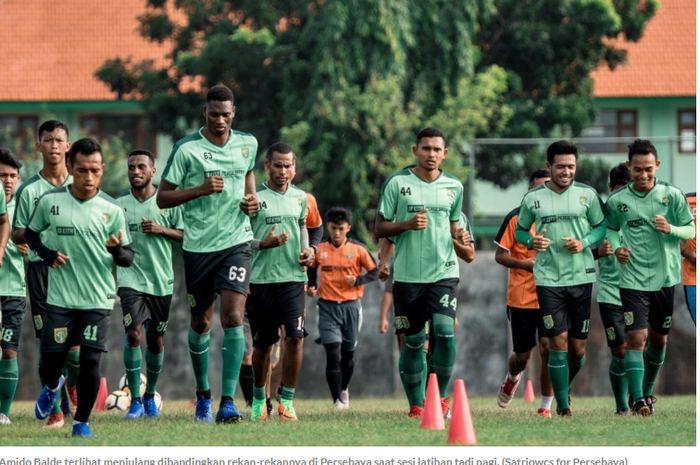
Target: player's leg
579,308
159,308
442,302
523,329
59,329
636,311
232,278
261,367
352,314
691,301
614,324
660,321
246,377
547,392
134,315
264,326
13,310
554,313
330,321
291,301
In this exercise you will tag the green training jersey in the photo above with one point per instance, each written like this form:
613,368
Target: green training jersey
152,270
213,222
655,259
427,255
80,229
28,196
609,280
572,213
12,272
288,211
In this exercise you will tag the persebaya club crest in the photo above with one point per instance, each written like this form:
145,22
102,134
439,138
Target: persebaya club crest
548,321
666,201
610,332
60,335
127,319
245,151
106,217
401,322
583,201
629,318
348,255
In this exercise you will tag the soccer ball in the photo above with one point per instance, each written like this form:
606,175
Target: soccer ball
118,400
159,400
124,387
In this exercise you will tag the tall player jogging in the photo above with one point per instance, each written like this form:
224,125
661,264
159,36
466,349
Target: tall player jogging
651,217
85,237
213,169
13,302
146,287
278,279
53,144
570,218
420,208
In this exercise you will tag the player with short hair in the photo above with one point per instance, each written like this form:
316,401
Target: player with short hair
146,287
13,302
420,209
610,306
340,261
85,236
211,174
53,143
651,217
688,252
278,279
570,217
523,310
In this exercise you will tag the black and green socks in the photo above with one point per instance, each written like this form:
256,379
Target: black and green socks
199,354
9,377
233,351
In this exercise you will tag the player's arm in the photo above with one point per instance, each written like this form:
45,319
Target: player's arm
4,235
32,234
504,258
387,300
384,228
170,196
462,242
17,234
308,254
151,227
386,252
688,253
367,262
249,204
123,255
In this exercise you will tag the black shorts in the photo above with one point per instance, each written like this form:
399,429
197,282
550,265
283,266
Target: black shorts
65,328
415,303
273,305
139,309
566,309
525,327
206,274
614,323
37,284
13,309
648,309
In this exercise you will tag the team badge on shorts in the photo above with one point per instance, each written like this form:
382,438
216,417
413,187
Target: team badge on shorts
193,303
38,322
401,322
127,319
60,335
629,318
548,321
611,333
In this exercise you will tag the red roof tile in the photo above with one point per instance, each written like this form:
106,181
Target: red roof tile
662,63
51,49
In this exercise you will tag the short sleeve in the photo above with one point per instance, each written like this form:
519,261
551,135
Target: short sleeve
253,152
464,223
525,215
596,210
367,260
39,220
175,218
3,205
612,219
21,219
457,204
506,235
119,224
682,210
176,169
387,202
302,216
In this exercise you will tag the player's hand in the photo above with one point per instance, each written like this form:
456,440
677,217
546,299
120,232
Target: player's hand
623,255
383,325
249,204
605,250
384,272
689,254
61,260
462,236
306,257
150,227
23,249
418,222
352,279
311,291
212,185
529,264
662,225
539,242
573,245
272,240
114,241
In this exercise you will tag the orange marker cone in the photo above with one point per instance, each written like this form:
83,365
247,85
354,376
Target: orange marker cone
101,396
461,425
432,409
529,392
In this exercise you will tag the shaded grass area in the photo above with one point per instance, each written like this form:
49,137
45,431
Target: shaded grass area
375,422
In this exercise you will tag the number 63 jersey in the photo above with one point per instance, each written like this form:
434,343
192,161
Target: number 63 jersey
572,213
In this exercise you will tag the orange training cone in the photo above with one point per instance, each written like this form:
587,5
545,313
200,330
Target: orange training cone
529,392
432,409
101,396
461,425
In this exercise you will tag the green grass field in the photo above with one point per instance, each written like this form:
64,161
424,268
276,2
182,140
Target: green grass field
376,422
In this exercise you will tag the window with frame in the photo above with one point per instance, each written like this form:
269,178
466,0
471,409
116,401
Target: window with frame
686,131
131,129
614,124
18,133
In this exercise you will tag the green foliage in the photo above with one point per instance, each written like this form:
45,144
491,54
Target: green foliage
595,172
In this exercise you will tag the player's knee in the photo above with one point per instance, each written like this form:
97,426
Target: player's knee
90,360
347,357
636,340
414,342
333,355
200,324
293,343
133,339
618,351
154,343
